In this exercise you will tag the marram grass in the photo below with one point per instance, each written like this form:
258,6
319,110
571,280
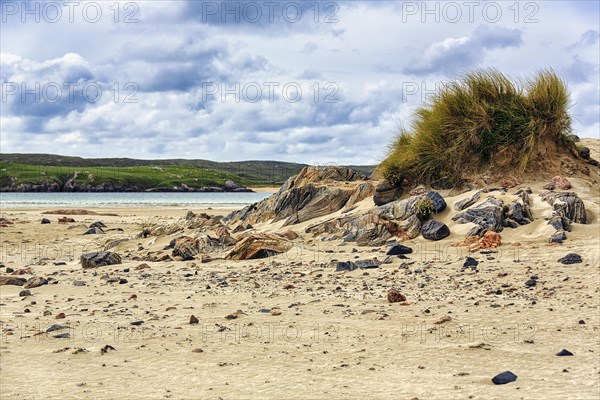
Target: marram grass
482,120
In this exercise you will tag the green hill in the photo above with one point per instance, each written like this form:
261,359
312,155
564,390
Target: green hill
19,169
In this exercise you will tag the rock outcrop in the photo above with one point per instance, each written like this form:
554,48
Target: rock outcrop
386,192
313,193
489,215
99,259
566,204
467,202
259,245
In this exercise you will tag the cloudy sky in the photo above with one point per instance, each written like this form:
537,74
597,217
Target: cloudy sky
302,81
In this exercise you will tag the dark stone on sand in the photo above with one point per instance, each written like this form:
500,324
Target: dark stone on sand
398,249
504,378
439,204
435,230
571,258
470,262
530,282
45,221
564,352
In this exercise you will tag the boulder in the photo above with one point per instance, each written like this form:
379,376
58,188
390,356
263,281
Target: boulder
99,259
489,215
476,231
394,296
94,231
566,204
560,223
584,152
12,280
504,378
519,213
410,228
558,237
435,230
35,282
187,247
439,204
259,245
467,202
365,229
345,266
65,220
386,192
571,258
398,249
97,224
560,182
45,221
313,193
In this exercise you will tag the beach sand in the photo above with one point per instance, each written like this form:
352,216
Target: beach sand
305,331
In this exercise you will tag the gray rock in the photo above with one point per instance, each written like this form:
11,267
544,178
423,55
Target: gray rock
35,282
45,221
79,283
25,293
94,231
564,352
476,231
439,204
467,202
97,224
558,237
99,259
399,249
489,215
571,258
566,204
386,192
504,378
560,223
584,153
435,230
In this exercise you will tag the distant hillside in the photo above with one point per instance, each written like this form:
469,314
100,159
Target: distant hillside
42,172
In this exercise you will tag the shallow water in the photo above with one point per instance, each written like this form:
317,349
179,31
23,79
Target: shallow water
109,200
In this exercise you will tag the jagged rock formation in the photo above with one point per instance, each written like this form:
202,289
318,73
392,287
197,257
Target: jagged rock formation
313,193
566,204
467,202
99,259
489,215
259,245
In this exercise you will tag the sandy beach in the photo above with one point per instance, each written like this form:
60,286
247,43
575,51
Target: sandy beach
289,326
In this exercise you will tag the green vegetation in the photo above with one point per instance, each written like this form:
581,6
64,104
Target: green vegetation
425,210
481,121
159,174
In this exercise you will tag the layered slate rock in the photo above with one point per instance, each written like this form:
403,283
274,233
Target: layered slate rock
467,202
386,192
313,193
366,229
259,245
435,230
99,259
488,215
566,204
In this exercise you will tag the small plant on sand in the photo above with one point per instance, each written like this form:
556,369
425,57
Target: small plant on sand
425,210
480,121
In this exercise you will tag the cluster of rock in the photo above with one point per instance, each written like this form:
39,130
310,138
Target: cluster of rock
320,192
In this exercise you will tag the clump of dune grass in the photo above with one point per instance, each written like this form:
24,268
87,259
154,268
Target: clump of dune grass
482,120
